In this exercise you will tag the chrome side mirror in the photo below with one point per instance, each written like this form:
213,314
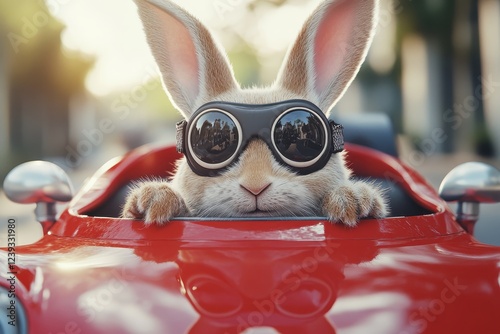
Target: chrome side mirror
39,182
470,184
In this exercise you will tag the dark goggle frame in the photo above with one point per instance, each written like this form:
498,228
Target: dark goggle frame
259,121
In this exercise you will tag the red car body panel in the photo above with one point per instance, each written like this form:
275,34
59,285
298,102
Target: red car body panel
404,274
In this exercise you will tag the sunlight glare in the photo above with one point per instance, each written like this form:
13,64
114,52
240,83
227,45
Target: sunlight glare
112,35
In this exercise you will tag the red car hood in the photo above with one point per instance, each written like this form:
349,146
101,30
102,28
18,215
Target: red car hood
295,277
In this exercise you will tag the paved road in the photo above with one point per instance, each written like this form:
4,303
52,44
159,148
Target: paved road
433,169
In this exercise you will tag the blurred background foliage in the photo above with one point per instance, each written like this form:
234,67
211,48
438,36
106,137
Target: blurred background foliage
429,61
38,80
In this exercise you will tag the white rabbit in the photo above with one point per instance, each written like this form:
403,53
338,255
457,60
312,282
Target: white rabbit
318,68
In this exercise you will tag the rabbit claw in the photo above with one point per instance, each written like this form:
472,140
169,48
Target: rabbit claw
154,202
348,203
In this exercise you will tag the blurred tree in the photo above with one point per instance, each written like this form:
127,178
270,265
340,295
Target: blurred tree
482,140
42,78
442,23
434,21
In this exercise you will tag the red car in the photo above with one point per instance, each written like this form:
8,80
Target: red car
418,271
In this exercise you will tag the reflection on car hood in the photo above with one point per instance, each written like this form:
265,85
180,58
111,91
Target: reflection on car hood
311,285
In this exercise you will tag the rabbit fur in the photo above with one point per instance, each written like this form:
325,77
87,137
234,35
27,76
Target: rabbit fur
319,67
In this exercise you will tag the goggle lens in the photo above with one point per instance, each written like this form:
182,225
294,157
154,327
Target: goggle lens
214,137
299,136
296,131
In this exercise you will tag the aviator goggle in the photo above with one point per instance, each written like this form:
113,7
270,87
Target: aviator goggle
296,131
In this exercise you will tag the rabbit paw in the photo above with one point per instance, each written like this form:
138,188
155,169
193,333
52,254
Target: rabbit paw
154,202
352,201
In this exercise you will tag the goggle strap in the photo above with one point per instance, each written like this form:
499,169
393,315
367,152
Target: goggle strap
179,135
337,137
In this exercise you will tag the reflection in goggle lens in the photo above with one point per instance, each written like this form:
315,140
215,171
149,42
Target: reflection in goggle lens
299,136
214,139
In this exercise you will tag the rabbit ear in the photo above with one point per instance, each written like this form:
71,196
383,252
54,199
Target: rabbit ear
329,50
192,66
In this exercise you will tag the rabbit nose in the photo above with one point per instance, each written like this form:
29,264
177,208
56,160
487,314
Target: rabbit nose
255,190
